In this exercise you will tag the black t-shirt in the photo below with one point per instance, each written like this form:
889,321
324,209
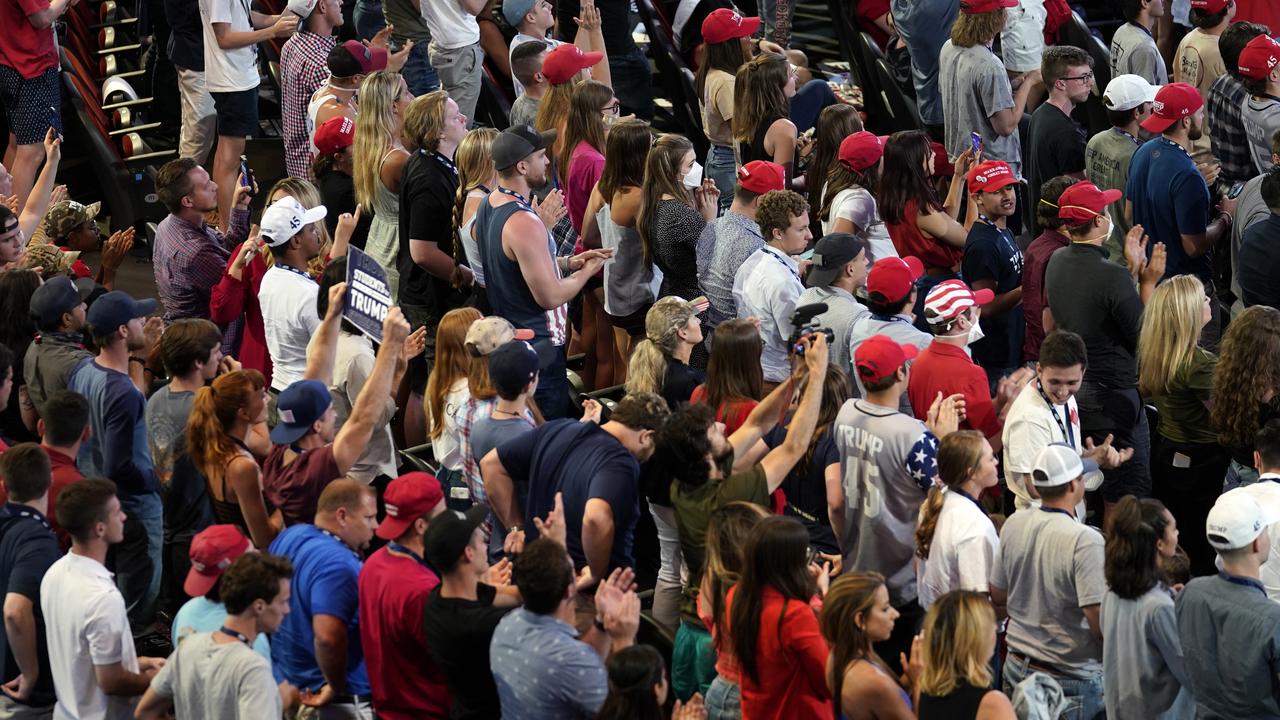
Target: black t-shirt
991,253
680,382
426,213
615,23
338,195
28,548
1095,298
1055,146
458,632
806,489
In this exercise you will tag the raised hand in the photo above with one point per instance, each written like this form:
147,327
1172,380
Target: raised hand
498,574
117,246
245,254
337,292
397,59
553,526
1154,269
415,343
551,209
816,356
913,666
152,329
285,25
394,328
380,39
52,145
588,17
57,195
591,410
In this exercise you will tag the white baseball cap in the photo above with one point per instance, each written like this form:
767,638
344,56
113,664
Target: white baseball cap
1126,92
1236,520
285,218
1059,463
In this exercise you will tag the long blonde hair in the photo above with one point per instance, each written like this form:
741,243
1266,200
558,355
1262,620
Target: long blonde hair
377,131
661,177
474,158
958,456
453,363
958,630
307,194
647,371
758,94
1171,327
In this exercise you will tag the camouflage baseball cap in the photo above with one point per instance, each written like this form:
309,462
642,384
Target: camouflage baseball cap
51,260
67,216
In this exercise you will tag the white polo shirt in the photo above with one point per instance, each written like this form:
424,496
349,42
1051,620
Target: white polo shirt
1028,428
451,27
768,287
86,625
960,556
289,319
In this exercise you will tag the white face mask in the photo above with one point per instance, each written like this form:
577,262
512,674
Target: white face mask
975,331
693,178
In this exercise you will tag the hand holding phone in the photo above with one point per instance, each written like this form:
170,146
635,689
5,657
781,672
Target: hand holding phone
246,175
975,142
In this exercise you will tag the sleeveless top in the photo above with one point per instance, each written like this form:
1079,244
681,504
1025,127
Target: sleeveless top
961,704
383,242
909,239
756,151
630,284
509,294
474,261
323,94
227,512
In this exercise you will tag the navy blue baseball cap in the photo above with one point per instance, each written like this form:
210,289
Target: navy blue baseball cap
56,296
511,366
117,308
300,406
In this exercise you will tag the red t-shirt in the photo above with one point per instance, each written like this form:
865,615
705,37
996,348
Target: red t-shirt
791,661
732,413
949,369
1259,11
65,472
909,239
23,47
295,488
406,682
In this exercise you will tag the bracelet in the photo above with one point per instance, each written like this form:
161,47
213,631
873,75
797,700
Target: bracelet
599,625
140,361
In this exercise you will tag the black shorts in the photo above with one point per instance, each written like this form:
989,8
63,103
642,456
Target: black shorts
237,112
27,103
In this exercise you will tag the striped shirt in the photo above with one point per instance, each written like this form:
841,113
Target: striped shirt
304,66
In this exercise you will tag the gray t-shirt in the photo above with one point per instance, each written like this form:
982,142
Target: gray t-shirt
1106,163
974,87
1051,566
487,431
1230,633
209,680
1142,667
167,414
1134,52
1251,209
842,312
1261,117
899,329
524,110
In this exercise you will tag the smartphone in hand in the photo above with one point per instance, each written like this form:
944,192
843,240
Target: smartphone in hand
975,142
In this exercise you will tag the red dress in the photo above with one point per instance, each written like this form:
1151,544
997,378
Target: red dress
233,300
791,659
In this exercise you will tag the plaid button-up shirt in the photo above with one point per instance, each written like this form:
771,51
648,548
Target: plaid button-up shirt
189,260
1226,128
304,67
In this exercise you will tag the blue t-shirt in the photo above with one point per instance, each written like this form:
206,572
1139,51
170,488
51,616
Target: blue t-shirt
200,615
1170,199
991,253
806,488
326,576
1259,264
117,448
583,462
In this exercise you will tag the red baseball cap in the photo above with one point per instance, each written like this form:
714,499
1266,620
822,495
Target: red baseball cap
212,551
1259,57
1083,201
408,498
762,176
879,356
565,61
990,176
861,150
892,278
949,298
1210,6
1173,102
724,24
977,7
353,58
335,134
942,165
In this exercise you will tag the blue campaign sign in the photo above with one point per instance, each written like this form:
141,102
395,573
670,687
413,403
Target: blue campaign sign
368,296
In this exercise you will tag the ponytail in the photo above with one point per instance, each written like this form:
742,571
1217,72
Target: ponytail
647,371
213,415
929,513
959,454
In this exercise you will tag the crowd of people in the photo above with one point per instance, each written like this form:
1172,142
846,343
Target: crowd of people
975,420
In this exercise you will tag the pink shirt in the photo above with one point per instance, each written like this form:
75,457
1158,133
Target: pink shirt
586,164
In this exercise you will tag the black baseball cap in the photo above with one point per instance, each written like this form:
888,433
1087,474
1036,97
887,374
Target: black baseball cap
56,296
511,366
830,255
449,533
517,143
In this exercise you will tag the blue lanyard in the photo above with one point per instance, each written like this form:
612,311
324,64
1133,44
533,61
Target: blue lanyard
1057,510
1243,581
520,198
397,547
890,318
1067,428
446,163
1127,134
235,634
295,271
770,252
339,540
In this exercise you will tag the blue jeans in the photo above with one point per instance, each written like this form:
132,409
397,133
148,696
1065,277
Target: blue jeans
721,168
417,70
1083,695
633,83
1238,476
139,557
723,700
552,394
811,99
368,18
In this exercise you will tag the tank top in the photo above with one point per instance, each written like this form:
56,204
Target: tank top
756,151
629,282
474,261
909,239
509,294
961,704
323,94
227,512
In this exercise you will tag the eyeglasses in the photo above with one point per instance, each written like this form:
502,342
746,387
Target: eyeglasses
1087,77
613,109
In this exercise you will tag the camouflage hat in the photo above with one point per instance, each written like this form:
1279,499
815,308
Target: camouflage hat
51,259
67,216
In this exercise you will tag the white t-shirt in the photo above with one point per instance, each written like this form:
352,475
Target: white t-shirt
1266,492
451,26
289,319
448,447
207,679
521,39
964,543
858,206
228,70
86,625
1028,428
